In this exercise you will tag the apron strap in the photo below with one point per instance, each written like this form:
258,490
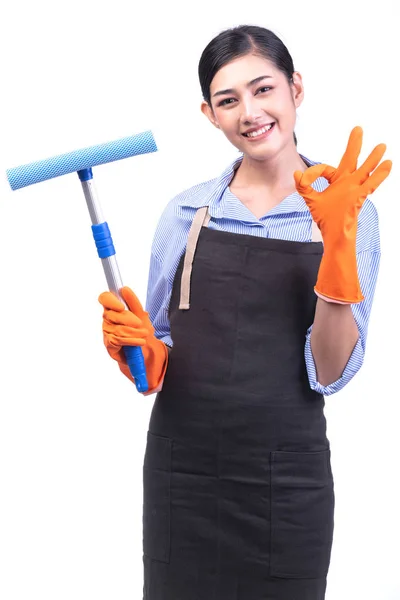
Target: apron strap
201,219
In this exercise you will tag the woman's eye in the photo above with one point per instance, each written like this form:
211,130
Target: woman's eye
226,101
264,88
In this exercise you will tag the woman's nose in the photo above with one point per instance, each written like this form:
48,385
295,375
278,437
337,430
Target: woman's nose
251,110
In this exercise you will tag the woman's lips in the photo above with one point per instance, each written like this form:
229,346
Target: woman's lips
260,134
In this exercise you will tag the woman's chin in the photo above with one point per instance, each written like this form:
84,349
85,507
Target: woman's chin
260,154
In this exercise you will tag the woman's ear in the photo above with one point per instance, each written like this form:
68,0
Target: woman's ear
297,89
209,113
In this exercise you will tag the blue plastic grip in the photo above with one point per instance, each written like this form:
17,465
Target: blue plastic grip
103,240
137,367
141,143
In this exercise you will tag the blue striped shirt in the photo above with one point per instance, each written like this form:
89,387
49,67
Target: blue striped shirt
289,220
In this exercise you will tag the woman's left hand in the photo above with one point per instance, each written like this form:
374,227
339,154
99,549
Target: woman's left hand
336,210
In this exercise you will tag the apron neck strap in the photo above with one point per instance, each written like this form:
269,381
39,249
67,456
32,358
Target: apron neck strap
201,218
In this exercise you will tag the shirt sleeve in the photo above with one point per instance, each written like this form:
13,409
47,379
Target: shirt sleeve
168,245
368,258
158,298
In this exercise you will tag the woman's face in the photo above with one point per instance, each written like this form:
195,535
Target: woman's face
247,96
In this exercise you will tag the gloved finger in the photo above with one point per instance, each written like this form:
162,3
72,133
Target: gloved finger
110,301
377,177
124,331
114,351
300,187
132,301
116,341
371,162
304,180
348,163
125,317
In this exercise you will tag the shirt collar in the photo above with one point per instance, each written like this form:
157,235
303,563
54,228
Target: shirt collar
212,193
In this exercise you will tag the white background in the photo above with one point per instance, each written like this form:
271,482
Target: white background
72,428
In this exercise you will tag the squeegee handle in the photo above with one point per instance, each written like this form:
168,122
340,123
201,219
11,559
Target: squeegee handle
106,251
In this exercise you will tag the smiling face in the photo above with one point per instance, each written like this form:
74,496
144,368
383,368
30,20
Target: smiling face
254,105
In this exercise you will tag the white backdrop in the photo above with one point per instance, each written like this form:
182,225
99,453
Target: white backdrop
72,428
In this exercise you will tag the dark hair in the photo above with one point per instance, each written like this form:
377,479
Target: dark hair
240,41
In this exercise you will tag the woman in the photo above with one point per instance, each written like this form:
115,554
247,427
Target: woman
251,320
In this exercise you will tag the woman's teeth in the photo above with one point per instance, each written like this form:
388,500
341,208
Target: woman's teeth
259,131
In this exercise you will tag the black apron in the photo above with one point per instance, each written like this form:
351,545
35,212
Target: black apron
237,480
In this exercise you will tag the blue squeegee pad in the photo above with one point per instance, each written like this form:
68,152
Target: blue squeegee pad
35,172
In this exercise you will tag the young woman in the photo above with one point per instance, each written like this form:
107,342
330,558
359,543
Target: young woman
252,318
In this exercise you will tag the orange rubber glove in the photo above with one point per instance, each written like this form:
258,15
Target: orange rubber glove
132,327
336,210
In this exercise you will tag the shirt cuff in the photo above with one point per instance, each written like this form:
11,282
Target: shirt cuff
165,338
353,366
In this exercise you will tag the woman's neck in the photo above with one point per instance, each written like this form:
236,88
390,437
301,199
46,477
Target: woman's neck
276,172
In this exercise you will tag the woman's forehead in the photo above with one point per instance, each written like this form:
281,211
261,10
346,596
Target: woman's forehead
240,71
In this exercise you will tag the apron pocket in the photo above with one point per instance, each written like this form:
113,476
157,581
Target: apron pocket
157,497
302,514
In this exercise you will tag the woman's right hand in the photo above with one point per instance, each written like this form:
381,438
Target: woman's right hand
132,327
122,327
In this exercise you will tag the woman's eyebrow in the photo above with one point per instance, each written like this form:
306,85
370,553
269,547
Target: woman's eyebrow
250,83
